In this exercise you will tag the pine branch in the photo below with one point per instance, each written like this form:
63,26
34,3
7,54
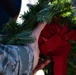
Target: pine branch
43,11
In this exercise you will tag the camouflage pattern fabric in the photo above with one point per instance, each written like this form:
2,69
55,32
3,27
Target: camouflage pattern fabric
16,60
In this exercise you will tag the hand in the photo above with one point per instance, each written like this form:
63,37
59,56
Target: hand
41,64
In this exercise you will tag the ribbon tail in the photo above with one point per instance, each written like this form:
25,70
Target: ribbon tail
60,62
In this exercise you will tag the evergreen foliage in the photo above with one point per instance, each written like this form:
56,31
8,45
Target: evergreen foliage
44,10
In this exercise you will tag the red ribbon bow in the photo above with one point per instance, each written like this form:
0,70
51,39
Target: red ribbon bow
54,42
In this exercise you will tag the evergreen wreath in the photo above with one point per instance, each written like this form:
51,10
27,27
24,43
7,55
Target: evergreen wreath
42,11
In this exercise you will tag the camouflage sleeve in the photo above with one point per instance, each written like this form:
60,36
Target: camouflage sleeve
16,60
